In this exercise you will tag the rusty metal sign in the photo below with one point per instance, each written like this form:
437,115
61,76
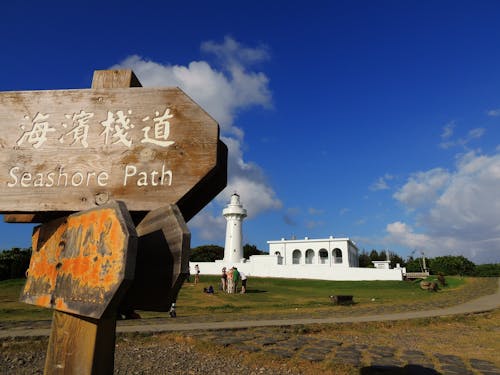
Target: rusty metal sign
81,263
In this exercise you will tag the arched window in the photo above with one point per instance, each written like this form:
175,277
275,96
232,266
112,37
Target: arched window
323,256
309,256
337,255
296,256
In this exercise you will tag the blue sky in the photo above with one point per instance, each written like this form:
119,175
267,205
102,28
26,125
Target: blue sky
374,120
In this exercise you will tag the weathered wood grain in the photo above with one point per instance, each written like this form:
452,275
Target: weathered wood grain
162,261
80,346
208,188
109,79
53,171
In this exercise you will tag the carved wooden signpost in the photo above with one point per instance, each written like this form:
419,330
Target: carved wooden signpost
70,150
113,173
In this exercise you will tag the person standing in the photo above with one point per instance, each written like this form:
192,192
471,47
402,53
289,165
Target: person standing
223,280
243,282
196,274
236,280
230,282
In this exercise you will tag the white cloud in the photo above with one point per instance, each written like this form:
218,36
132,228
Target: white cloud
422,187
209,227
361,221
315,211
475,133
344,211
381,183
222,93
290,216
311,224
494,112
232,53
401,233
457,212
448,132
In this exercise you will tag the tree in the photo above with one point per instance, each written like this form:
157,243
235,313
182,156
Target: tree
374,255
249,250
364,260
414,264
206,253
487,270
395,259
452,265
14,263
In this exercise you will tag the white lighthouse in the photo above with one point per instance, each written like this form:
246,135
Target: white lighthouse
234,214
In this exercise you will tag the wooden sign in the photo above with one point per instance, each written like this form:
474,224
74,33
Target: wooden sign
71,150
162,261
81,263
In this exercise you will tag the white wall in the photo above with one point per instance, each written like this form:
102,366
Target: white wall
266,268
282,266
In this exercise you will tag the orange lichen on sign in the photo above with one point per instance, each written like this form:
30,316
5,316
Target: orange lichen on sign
99,256
43,300
44,260
79,261
61,305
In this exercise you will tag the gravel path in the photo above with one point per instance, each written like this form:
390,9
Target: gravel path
143,355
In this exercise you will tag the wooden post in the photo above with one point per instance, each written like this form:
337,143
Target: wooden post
80,345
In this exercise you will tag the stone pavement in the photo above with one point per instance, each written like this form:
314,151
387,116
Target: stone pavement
286,343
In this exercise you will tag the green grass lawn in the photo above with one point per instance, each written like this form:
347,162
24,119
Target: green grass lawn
268,298
12,309
265,295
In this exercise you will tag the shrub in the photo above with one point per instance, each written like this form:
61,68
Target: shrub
14,263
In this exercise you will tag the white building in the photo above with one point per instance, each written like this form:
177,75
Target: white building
323,259
338,252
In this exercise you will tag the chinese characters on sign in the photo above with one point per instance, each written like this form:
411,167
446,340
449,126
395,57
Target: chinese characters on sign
74,129
69,150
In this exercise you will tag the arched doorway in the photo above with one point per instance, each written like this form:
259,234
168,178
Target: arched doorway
296,256
323,256
309,256
337,256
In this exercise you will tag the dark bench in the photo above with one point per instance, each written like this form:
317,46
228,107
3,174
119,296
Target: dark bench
342,299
